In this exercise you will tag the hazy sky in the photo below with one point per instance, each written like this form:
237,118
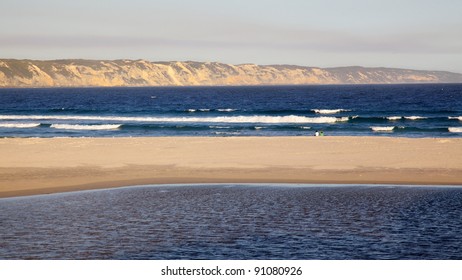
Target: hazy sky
418,34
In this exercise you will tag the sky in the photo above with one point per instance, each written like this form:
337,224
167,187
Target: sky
414,34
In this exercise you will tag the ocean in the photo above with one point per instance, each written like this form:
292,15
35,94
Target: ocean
229,221
235,221
423,110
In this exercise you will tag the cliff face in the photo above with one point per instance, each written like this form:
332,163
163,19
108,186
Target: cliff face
81,73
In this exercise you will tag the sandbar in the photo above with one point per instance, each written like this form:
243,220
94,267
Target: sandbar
31,166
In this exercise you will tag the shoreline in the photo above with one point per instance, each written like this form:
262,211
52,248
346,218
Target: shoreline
31,166
269,185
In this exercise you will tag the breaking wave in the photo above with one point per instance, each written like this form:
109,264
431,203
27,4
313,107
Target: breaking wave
394,118
382,128
415,118
455,118
455,129
219,119
19,125
204,110
329,111
86,127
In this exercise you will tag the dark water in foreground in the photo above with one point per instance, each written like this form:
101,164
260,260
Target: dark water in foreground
236,222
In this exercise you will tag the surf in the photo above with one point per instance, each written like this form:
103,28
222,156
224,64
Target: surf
19,125
218,119
455,129
329,111
86,127
382,128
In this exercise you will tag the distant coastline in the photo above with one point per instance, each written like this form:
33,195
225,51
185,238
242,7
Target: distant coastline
135,73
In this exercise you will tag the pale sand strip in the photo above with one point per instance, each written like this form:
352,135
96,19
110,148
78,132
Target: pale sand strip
38,165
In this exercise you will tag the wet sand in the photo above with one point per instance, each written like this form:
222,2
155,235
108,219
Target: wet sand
39,165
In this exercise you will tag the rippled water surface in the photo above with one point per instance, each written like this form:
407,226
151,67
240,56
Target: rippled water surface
236,222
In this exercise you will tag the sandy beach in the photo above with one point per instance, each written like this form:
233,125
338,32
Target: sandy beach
39,165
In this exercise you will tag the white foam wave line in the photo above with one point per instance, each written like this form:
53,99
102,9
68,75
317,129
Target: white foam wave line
226,110
225,119
382,128
455,118
455,129
415,118
394,118
86,127
329,111
219,127
19,125
343,119
195,110
226,133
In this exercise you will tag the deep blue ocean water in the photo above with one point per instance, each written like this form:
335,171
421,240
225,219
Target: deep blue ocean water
236,222
427,110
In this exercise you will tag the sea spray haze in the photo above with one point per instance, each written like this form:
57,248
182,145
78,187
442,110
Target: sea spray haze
423,110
